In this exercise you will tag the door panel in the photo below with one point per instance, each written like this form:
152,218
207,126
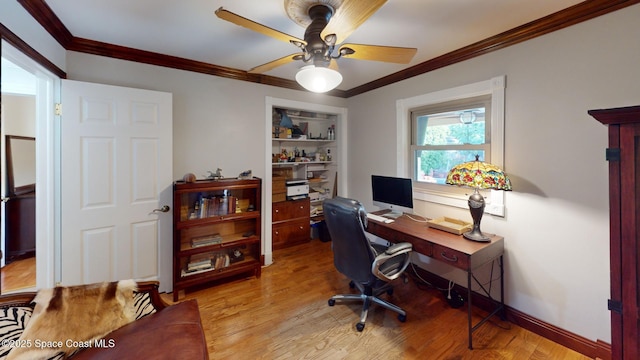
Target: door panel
116,169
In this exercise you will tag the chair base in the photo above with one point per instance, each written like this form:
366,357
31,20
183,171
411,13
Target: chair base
367,300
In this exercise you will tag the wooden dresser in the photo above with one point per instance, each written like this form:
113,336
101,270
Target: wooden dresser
20,236
290,223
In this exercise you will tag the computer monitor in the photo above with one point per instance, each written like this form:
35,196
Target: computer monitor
392,193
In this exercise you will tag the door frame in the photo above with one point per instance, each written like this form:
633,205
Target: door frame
47,167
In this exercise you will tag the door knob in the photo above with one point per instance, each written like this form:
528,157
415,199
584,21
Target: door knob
163,209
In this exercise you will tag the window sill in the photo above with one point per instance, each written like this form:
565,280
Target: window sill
460,200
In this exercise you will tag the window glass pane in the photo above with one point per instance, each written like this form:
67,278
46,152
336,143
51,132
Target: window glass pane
434,165
465,126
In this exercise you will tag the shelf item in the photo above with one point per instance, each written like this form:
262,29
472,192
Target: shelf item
279,188
216,231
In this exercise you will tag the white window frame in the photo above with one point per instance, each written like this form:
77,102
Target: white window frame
494,87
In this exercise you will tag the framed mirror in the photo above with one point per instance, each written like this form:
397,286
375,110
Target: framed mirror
21,164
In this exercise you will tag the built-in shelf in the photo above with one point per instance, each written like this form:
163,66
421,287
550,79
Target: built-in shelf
297,163
321,141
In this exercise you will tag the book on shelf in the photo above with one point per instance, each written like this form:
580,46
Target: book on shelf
196,267
222,261
214,205
199,262
185,273
206,240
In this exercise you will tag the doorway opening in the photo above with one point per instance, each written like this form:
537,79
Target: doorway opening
18,144
28,96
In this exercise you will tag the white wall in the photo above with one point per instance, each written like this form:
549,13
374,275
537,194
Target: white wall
20,115
556,226
217,122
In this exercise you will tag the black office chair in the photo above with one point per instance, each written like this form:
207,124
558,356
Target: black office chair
370,267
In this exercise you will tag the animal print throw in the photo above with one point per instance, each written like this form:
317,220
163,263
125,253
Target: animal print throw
69,318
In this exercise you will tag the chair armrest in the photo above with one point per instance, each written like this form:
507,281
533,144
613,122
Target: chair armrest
400,249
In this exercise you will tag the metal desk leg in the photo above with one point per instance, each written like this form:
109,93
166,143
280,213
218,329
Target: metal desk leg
499,308
503,316
469,310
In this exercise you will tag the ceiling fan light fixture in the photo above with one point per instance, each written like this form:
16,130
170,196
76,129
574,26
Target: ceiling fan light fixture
318,79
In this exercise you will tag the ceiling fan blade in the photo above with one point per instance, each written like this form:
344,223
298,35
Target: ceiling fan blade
273,64
392,54
252,25
350,15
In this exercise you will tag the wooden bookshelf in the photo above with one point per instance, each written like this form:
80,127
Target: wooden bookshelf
216,231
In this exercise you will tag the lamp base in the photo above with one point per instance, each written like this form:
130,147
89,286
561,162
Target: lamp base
476,207
476,235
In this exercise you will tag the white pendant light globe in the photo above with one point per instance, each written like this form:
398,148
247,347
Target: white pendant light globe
318,79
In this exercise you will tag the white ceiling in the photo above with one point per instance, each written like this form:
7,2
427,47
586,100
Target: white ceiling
190,29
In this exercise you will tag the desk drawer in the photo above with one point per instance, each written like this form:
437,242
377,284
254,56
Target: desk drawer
451,257
419,245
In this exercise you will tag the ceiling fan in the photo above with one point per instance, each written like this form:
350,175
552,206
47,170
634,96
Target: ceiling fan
328,23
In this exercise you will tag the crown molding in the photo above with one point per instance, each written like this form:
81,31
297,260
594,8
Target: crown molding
570,16
15,41
583,11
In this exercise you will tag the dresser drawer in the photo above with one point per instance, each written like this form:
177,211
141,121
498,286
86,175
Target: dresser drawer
290,233
451,257
286,210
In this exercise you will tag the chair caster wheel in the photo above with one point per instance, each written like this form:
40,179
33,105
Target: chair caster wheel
402,318
360,326
331,302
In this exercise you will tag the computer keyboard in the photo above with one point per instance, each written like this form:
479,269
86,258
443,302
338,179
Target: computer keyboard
379,218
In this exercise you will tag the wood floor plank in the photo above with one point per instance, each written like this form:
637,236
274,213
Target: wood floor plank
284,315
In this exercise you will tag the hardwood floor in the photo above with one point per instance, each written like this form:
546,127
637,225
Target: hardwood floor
285,315
20,274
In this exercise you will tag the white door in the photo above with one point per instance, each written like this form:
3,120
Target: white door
116,171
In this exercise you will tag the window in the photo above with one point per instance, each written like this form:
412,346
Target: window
448,134
438,130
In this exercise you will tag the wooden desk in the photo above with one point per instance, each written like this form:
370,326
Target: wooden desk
450,249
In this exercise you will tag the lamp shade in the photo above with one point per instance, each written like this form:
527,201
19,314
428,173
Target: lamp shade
318,79
480,175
